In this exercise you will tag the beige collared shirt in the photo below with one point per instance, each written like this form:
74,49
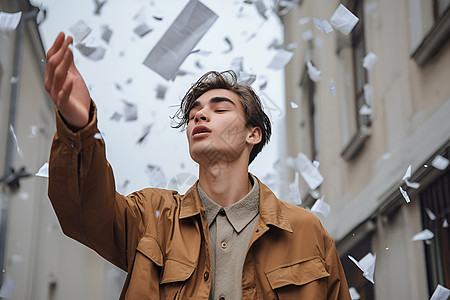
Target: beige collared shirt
230,230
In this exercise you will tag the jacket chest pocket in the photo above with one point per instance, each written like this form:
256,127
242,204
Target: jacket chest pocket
303,279
172,274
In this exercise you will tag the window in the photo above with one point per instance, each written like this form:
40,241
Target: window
359,126
436,198
354,275
429,28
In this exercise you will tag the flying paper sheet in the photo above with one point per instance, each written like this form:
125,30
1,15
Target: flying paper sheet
307,35
304,20
106,33
407,175
321,207
145,133
369,61
246,78
294,191
366,264
161,91
43,171
332,87
261,7
430,214
368,93
98,136
294,105
404,194
130,111
365,110
423,235
8,288
343,19
179,40
281,59
98,6
323,25
354,294
237,64
440,162
229,43
9,21
313,72
440,293
310,174
156,176
80,31
445,223
142,30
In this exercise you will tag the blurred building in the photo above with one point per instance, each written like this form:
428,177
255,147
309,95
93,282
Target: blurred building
366,126
39,262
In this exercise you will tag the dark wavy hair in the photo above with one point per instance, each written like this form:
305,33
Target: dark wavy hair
253,110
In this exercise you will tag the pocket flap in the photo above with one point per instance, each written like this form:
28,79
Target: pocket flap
175,271
149,247
298,273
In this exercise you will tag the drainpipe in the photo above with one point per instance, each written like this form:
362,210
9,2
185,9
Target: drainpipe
18,46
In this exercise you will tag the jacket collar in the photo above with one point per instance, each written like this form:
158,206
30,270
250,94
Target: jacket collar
271,211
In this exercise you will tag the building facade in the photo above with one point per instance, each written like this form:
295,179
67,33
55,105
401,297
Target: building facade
39,262
366,124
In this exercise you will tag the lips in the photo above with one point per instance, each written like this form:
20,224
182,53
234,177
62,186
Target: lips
199,130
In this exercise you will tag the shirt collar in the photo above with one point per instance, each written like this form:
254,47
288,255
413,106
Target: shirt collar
240,213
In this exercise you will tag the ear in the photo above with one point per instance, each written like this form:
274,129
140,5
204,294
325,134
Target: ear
254,135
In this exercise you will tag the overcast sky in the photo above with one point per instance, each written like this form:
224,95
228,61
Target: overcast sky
120,76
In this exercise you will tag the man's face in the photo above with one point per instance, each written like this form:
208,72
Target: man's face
217,131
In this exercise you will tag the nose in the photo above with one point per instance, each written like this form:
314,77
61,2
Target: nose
201,115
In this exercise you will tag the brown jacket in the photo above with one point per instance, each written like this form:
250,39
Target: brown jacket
162,240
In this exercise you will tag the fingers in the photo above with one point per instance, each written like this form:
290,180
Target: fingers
60,72
59,60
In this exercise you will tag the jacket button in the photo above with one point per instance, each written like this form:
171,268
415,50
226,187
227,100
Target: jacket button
72,143
206,275
221,298
222,212
224,245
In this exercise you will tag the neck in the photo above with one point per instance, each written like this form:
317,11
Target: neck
225,182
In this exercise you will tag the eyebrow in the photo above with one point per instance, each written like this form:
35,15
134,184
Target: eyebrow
213,100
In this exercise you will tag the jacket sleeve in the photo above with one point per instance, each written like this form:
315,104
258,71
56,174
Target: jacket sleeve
82,191
337,282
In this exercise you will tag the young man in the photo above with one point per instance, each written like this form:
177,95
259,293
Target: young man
228,237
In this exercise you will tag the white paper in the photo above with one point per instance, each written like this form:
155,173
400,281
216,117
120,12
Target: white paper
80,31
261,7
445,223
313,72
332,87
161,91
156,176
8,288
294,105
368,94
142,30
178,41
43,171
440,162
246,78
316,164
440,293
404,194
365,110
343,19
366,264
237,64
354,294
106,33
130,111
281,59
307,35
323,25
304,20
369,60
407,173
294,191
310,174
98,136
229,43
413,185
423,235
321,207
9,21
430,214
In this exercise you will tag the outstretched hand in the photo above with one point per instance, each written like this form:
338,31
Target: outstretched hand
65,84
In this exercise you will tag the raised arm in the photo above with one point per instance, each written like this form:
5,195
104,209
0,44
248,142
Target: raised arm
81,182
65,84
